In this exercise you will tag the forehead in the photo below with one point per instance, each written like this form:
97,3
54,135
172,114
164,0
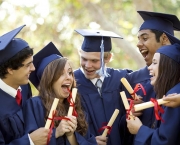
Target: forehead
28,60
156,56
90,55
145,32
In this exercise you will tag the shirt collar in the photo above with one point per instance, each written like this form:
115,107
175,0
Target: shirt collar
8,89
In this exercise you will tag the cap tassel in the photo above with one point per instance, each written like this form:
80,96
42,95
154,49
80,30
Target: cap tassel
102,71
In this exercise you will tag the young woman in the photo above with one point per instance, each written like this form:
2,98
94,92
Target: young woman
55,79
165,72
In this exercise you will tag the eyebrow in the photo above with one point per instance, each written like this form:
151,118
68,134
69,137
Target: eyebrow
142,34
28,63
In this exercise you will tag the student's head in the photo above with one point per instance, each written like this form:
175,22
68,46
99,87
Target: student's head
16,59
151,35
95,52
54,78
165,69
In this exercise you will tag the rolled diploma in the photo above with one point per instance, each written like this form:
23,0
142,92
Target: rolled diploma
128,87
74,92
53,108
125,102
111,121
149,104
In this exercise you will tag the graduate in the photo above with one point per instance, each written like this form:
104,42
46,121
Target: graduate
54,78
16,64
100,86
165,78
151,37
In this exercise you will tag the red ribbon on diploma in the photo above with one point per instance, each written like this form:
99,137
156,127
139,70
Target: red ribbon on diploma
137,88
157,109
130,109
52,123
71,103
104,126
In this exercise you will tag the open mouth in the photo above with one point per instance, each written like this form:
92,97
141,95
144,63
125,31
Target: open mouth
66,87
144,53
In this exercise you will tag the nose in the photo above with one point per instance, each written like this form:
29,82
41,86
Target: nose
88,64
32,67
150,67
139,44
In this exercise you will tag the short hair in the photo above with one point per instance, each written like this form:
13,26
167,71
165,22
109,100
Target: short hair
168,75
16,61
157,33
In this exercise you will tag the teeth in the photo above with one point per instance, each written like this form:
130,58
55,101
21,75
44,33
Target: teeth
144,51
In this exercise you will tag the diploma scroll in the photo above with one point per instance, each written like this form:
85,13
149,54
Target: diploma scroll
129,88
53,108
126,104
149,104
74,92
111,121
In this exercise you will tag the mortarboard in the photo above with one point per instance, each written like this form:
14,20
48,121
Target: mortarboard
159,21
41,60
10,46
97,41
171,51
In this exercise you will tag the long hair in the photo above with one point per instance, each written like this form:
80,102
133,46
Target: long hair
168,75
50,75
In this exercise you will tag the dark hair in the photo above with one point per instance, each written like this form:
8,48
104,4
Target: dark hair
157,34
168,75
50,75
16,61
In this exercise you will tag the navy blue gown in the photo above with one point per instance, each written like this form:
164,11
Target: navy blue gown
101,108
167,133
12,120
34,113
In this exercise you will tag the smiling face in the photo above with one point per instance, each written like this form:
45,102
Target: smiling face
21,75
64,82
153,68
148,45
90,63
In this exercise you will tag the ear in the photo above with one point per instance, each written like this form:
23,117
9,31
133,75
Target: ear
10,71
108,58
165,40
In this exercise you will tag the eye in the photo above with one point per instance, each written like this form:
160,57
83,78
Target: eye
70,73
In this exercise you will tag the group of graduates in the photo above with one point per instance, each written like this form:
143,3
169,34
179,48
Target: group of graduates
23,117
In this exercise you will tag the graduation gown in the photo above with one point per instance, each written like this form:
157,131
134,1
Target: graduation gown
11,118
167,133
34,113
101,107
142,76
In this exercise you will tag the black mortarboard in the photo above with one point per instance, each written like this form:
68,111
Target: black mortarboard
97,41
41,60
159,21
10,46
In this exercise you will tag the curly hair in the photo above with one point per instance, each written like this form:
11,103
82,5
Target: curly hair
16,61
51,74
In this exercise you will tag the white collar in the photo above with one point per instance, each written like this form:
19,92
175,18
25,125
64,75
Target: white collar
8,89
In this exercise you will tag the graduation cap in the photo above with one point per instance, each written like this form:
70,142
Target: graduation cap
41,60
10,46
171,51
159,21
171,38
97,41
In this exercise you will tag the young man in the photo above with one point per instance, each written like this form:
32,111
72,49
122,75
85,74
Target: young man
16,64
151,37
99,86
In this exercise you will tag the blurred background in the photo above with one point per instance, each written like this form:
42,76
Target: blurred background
55,20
